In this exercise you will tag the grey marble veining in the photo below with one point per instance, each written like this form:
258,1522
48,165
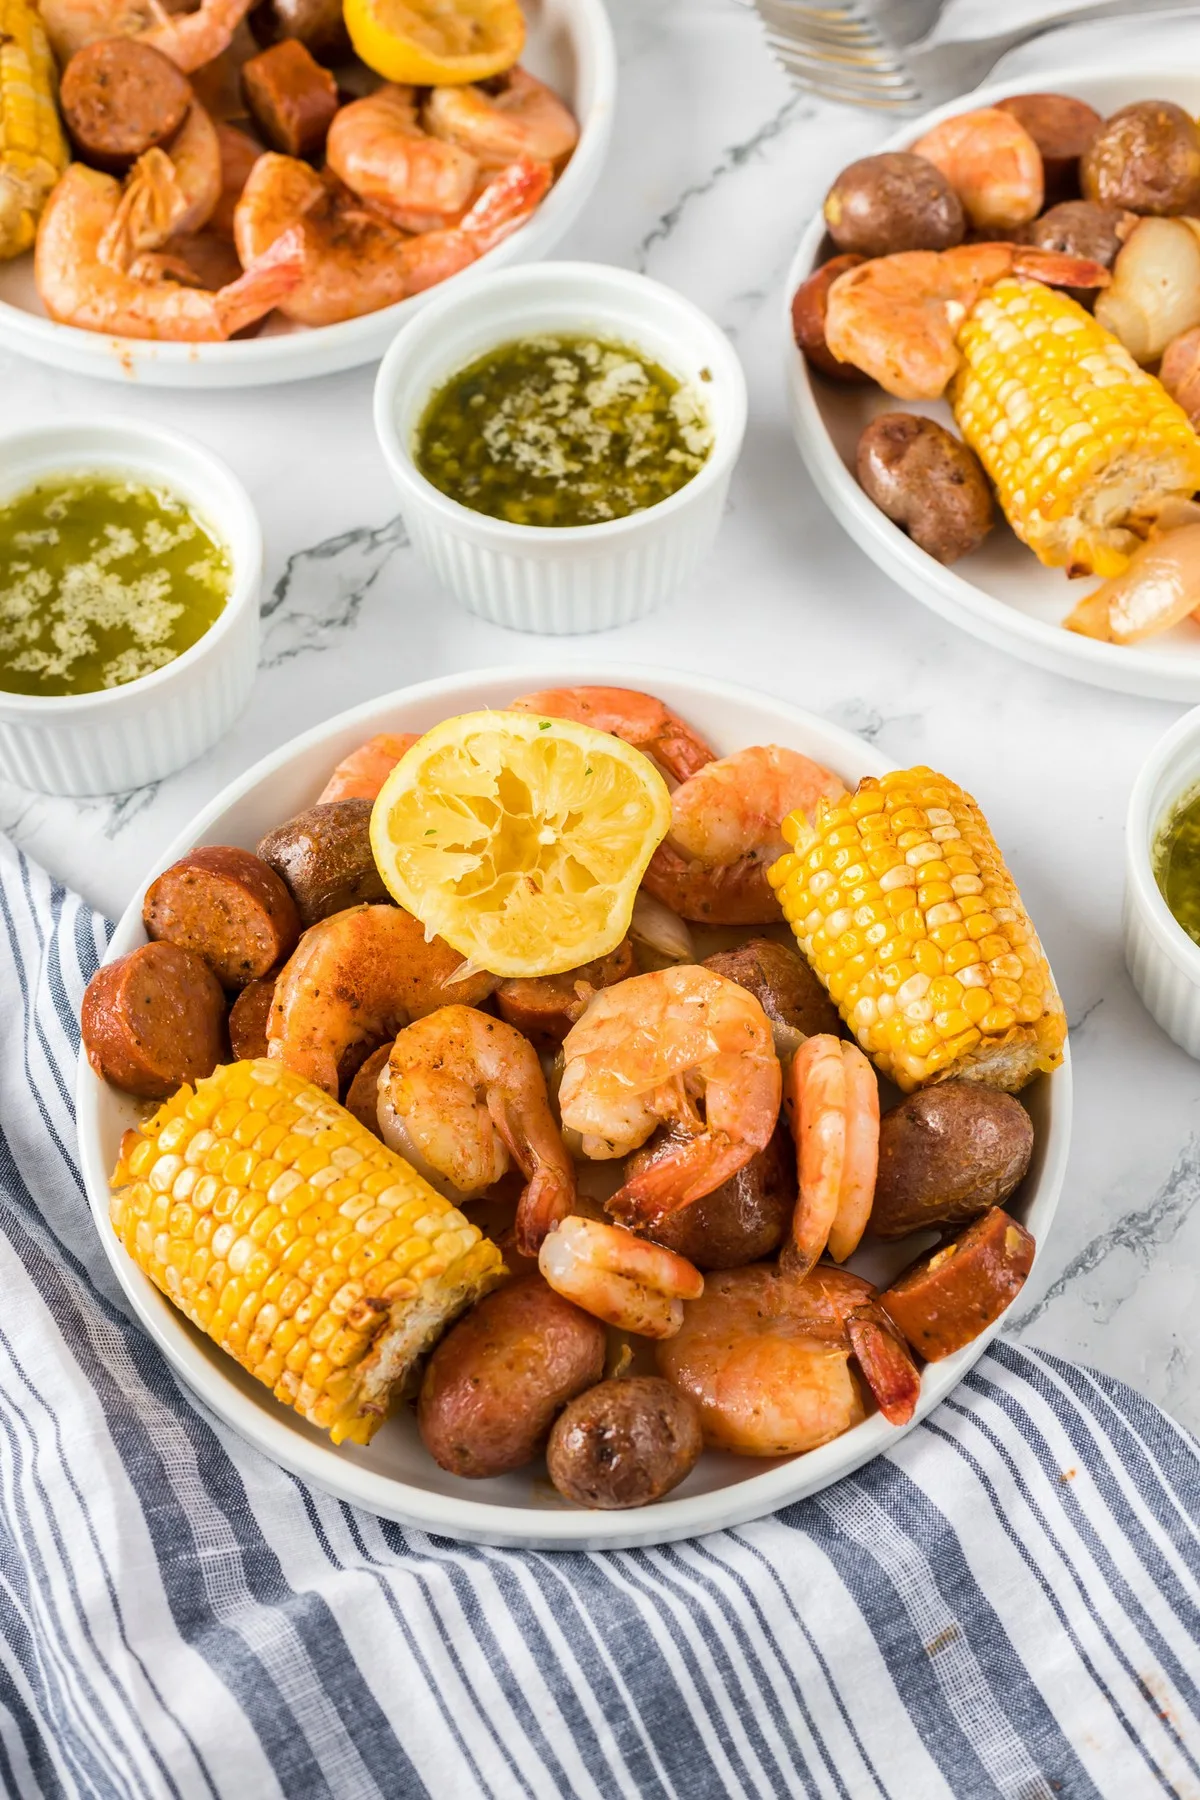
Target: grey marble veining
715,167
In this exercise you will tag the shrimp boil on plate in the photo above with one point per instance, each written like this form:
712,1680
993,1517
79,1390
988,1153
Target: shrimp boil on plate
357,978
360,775
461,1097
833,1101
685,1047
636,718
629,1283
725,834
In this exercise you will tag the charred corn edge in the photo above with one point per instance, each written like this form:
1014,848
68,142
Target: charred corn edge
296,1241
33,149
901,902
1049,401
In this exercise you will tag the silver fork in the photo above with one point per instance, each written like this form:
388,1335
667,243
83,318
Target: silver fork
876,53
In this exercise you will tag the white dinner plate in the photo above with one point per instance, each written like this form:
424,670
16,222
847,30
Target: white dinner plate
394,1475
569,45
1001,593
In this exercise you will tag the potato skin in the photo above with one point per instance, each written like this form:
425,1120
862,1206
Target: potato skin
782,983
1081,228
324,856
890,202
809,305
1146,158
624,1443
1179,372
926,481
946,1154
498,1379
744,1220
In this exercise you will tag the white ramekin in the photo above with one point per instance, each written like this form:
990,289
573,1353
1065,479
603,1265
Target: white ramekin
579,577
1163,960
104,743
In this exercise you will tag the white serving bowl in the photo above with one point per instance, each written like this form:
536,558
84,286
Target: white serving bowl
123,737
577,577
395,1476
1001,593
569,44
1163,960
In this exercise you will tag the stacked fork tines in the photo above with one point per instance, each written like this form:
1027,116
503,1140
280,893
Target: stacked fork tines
847,50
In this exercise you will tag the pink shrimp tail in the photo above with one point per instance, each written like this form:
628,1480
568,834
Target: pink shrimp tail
507,202
693,1169
270,278
546,1202
886,1363
1057,269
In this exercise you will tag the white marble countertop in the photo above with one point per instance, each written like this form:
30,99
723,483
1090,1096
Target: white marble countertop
716,165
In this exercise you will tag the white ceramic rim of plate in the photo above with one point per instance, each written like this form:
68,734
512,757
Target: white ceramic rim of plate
330,349
273,1431
415,350
951,595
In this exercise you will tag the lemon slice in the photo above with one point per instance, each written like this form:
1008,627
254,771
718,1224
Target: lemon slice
436,43
521,840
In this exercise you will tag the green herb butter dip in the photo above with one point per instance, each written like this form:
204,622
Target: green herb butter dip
562,430
102,578
1176,861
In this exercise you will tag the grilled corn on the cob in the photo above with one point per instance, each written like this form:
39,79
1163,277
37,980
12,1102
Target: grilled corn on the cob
1078,440
900,900
33,150
302,1245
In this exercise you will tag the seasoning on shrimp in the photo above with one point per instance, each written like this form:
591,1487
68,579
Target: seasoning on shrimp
562,430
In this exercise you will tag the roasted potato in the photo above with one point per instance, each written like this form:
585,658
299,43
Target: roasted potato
1062,128
1146,158
782,983
946,1154
1082,228
624,1443
742,1221
499,1378
324,856
809,304
1180,372
890,202
926,481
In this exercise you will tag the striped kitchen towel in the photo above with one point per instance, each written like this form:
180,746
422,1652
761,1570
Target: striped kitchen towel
1007,1605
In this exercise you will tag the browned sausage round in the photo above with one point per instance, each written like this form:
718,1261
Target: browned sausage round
893,201
362,1098
1063,129
291,97
782,983
545,1007
624,1443
926,481
809,305
248,1019
239,153
119,98
498,1380
324,855
226,906
947,1153
152,1020
1146,158
949,1296
742,1221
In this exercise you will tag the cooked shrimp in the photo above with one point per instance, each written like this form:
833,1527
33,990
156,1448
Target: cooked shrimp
355,262
992,164
189,39
498,123
725,834
357,978
167,193
381,152
638,719
833,1100
78,289
897,317
360,775
463,1093
622,1279
648,1052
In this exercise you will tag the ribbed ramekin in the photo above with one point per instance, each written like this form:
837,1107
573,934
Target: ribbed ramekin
123,737
580,577
1163,960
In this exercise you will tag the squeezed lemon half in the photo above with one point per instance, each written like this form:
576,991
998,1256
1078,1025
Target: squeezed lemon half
436,43
521,840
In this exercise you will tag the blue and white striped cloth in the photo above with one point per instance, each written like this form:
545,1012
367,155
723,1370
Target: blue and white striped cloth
1008,1605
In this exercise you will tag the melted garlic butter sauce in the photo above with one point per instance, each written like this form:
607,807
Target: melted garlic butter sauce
1176,861
103,578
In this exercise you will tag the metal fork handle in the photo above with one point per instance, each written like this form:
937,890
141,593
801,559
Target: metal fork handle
1003,41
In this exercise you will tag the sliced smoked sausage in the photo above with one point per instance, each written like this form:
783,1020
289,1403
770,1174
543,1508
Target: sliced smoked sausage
120,98
545,1007
248,1019
153,1020
1063,129
950,1295
228,908
291,97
